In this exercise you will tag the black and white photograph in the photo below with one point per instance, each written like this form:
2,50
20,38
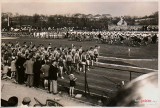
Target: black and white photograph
79,53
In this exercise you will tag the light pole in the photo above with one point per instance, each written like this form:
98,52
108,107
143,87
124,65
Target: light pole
86,83
129,52
8,21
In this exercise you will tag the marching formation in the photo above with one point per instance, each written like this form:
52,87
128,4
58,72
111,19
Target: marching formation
29,64
128,38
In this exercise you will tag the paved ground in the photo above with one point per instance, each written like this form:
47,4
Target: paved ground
9,89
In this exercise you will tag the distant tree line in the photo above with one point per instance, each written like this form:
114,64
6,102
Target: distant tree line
76,21
150,20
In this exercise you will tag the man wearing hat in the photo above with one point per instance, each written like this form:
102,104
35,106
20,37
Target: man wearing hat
12,102
26,102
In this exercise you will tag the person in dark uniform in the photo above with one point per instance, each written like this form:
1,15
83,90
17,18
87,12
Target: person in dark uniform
20,69
154,39
99,37
36,70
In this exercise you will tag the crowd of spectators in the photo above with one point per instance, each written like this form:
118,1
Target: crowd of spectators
29,64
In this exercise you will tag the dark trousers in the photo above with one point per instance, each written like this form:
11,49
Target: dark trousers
20,75
36,79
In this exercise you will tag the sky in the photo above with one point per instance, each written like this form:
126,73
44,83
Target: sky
133,8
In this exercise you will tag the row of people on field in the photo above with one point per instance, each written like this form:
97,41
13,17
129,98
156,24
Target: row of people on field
109,37
117,37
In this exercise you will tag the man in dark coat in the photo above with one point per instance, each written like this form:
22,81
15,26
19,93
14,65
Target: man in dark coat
154,39
20,69
99,37
36,70
53,74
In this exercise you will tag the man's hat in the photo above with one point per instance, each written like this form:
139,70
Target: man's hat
26,100
13,101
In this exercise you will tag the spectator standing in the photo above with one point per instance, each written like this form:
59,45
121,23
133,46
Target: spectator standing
13,67
36,70
61,65
53,75
5,71
5,57
72,84
29,71
20,68
45,70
